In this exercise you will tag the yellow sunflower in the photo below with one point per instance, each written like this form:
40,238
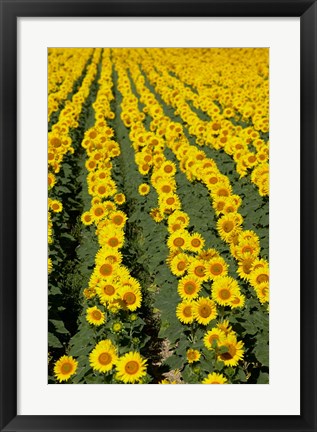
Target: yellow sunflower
106,269
168,168
131,368
156,215
235,351
165,186
95,316
189,287
262,291
104,356
195,243
192,355
98,211
144,189
225,326
216,268
65,367
204,310
49,265
224,290
51,180
107,291
215,378
179,264
198,269
215,334
244,268
131,297
184,312
119,198
238,301
207,255
178,240
86,218
228,225
118,218
180,217
258,276
56,206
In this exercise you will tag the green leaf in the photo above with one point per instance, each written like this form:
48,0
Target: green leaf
59,326
263,378
262,353
53,341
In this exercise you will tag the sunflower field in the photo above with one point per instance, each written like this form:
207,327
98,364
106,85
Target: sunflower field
158,216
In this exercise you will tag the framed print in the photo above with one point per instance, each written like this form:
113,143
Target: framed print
157,215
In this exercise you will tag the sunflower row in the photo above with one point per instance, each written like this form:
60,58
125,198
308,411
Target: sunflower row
60,142
244,244
218,132
111,286
186,250
65,66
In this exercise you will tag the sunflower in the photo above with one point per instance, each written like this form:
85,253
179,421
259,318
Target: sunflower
235,351
180,217
49,266
144,189
262,291
56,206
244,268
178,240
195,243
111,238
222,189
86,218
102,190
131,368
219,204
119,198
215,378
107,291
224,290
259,263
225,326
51,180
165,186
65,367
258,276
207,255
118,218
108,254
216,268
228,225
98,211
238,301
168,168
179,264
189,287
192,355
215,334
156,215
204,310
198,269
131,297
248,249
95,316
169,203
104,356
106,269
184,312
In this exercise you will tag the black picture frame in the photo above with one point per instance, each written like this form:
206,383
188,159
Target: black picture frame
10,11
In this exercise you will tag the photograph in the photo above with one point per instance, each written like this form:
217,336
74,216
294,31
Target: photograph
158,215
